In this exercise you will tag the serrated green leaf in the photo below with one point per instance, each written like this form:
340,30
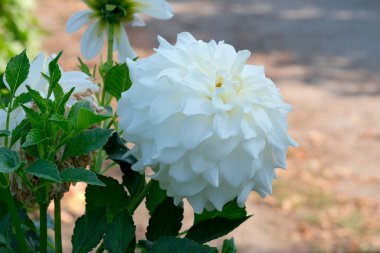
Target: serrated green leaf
183,245
17,71
54,73
9,161
34,117
165,221
34,137
119,233
62,100
87,118
21,129
73,114
229,246
83,67
112,197
88,231
61,121
213,228
86,142
133,180
44,169
80,175
117,80
231,210
21,99
37,99
4,133
154,197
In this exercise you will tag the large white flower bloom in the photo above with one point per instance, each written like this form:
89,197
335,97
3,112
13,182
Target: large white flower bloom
105,12
212,127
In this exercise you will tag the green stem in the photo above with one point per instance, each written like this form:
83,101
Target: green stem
111,33
57,225
136,201
7,195
43,220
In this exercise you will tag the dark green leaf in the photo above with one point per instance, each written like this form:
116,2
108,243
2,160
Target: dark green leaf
44,169
34,137
154,197
9,161
183,245
17,71
83,67
21,129
116,149
87,118
231,210
213,228
34,117
54,73
117,80
229,246
73,114
38,99
134,181
112,197
62,100
22,99
88,231
119,233
61,121
86,142
4,133
80,175
165,221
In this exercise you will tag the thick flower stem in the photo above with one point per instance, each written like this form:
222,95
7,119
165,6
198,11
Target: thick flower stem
7,195
57,225
111,32
43,220
136,201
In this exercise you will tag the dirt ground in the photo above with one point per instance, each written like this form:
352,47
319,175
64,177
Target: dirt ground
325,57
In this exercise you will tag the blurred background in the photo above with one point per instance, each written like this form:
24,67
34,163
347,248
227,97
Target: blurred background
325,57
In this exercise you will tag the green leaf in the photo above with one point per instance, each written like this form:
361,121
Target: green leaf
83,67
117,80
21,129
133,180
86,142
34,137
88,231
183,245
119,233
213,228
21,99
154,197
54,73
231,210
73,114
87,118
80,175
229,246
44,169
112,197
17,71
61,121
34,117
38,99
62,99
4,133
9,161
165,221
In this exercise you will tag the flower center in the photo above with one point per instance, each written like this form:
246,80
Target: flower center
113,11
219,81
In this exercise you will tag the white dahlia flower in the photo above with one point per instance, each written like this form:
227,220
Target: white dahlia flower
102,13
211,127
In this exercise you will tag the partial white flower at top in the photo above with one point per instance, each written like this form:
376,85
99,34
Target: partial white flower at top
102,13
211,127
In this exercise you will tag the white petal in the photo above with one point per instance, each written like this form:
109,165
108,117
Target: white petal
137,20
77,20
123,46
159,9
92,41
